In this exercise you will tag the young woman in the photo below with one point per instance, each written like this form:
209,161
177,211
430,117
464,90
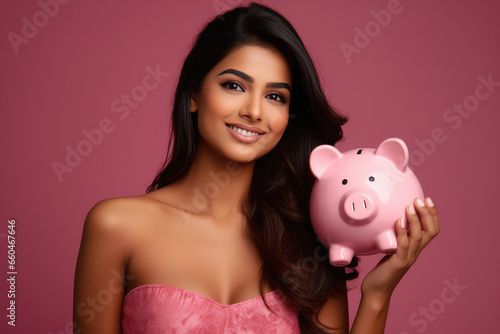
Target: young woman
222,241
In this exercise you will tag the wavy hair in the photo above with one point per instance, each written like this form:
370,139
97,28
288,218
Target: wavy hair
295,263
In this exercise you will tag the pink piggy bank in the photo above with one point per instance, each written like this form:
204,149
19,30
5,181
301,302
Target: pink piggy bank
358,196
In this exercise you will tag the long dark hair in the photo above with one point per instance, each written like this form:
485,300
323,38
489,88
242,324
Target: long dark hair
277,206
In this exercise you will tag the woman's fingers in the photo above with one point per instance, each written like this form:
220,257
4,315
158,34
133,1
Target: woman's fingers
415,228
402,238
434,228
428,220
423,226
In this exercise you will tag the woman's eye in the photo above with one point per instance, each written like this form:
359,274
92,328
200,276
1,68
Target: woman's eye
278,97
231,85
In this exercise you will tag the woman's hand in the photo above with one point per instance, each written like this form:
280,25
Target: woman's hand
423,227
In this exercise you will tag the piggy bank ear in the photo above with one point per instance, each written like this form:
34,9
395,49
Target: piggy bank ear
396,151
322,158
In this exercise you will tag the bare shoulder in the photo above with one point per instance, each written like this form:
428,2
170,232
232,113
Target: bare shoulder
115,210
121,217
109,240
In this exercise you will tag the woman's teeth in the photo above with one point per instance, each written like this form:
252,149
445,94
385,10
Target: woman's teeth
243,132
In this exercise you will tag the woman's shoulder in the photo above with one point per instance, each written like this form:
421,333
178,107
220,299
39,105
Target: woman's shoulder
122,215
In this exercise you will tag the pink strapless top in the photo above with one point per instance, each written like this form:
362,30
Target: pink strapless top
156,308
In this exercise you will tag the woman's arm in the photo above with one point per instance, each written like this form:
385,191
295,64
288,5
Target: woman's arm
99,276
335,312
380,283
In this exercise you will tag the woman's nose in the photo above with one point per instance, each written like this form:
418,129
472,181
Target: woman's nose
252,110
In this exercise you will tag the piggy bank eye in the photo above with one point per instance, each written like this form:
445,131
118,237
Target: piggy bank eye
344,181
371,178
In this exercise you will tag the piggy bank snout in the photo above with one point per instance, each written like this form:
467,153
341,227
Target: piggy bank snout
360,206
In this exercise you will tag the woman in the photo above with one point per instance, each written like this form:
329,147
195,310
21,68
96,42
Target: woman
222,241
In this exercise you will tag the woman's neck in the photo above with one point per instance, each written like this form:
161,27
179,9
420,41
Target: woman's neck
215,185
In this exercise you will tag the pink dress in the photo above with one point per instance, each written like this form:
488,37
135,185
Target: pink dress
156,308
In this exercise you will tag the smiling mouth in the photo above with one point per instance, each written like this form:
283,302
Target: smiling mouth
244,132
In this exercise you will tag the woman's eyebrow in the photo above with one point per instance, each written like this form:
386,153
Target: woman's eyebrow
248,78
242,75
279,85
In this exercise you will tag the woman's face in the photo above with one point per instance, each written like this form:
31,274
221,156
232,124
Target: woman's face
243,103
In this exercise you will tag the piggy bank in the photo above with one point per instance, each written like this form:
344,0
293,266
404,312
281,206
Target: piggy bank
358,197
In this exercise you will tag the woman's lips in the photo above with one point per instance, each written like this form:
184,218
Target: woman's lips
245,133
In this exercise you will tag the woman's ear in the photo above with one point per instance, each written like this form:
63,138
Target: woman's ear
193,106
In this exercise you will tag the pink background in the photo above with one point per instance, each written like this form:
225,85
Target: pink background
64,79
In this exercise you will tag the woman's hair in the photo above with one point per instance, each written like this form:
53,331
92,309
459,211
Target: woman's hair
295,263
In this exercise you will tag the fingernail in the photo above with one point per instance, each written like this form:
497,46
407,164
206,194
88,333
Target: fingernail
420,203
429,202
402,222
412,210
